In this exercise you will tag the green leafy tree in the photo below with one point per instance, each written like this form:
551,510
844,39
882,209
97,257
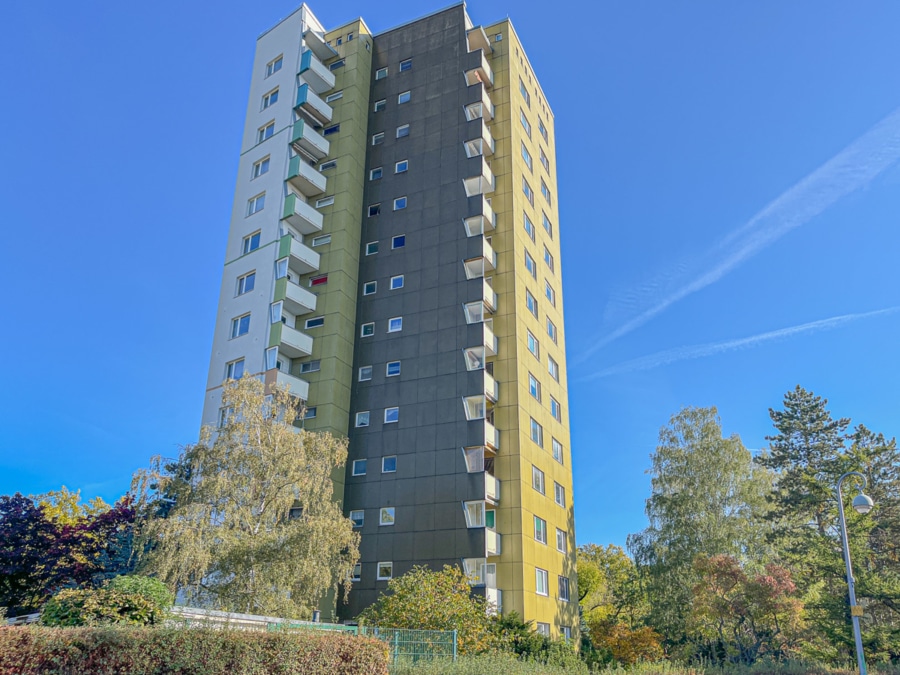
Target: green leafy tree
429,600
251,523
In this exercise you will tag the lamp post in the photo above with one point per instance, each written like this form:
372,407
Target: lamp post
862,504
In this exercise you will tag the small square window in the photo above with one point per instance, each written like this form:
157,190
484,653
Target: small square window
367,329
399,241
365,373
234,370
386,515
559,492
378,139
392,369
399,203
403,131
340,63
356,574
261,167
391,415
240,326
250,243
256,204
321,241
325,201
375,173
274,66
406,65
362,420
319,280
374,209
265,132
358,518
385,571
349,37
396,282
359,465
404,97
333,129
557,453
380,105
389,464
401,166
372,248
370,287
395,325
381,73
270,99
537,479
315,322
246,283
334,97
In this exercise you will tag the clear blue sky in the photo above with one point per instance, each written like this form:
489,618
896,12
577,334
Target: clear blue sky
684,132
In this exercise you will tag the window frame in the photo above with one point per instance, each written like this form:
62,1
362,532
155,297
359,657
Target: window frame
361,517
363,329
380,105
536,430
390,512
403,131
381,73
400,97
387,369
538,480
370,288
248,241
231,367
371,247
363,419
383,465
256,204
359,467
405,168
378,571
372,173
378,138
394,413
391,324
242,283
406,64
394,239
260,167
361,371
541,579
401,203
314,322
237,324
540,530
274,65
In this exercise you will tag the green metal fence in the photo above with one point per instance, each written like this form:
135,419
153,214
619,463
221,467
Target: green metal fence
415,645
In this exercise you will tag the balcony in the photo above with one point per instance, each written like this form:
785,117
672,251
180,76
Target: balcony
315,73
478,39
492,542
301,258
301,216
304,178
478,225
290,341
491,388
309,102
481,72
490,340
481,184
494,597
481,109
297,300
316,43
489,297
297,387
491,436
491,488
306,140
480,265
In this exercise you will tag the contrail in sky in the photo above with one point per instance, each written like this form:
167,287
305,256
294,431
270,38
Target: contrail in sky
853,168
699,351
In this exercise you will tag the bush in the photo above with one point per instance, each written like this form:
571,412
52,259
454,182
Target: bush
97,607
152,589
186,651
494,663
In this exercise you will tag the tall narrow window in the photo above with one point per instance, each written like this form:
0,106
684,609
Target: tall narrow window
537,478
540,530
537,435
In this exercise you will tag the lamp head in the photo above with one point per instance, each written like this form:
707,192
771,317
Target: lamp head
862,503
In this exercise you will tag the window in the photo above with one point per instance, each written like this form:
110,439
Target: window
403,131
370,287
270,98
533,345
309,413
550,293
553,368
564,586
559,492
474,407
474,358
334,97
260,167
321,241
551,330
524,91
402,166
391,415
274,66
311,366
385,571
534,387
544,161
319,280
396,282
378,139
399,241
526,156
392,369
349,37
555,409
374,209
372,248
365,373
315,322
399,203
566,632
380,105
537,435
246,283
531,303
404,97
325,201
474,459
537,476
389,464
541,588
359,465
240,325
386,515
529,226
357,568
474,512
375,173
546,192
395,325
234,370
337,64
540,530
250,243
328,165
558,455
406,65
529,193
367,329
542,129
547,225
381,73
561,540
362,420
265,132
542,628
548,258
256,204
275,314
530,266
333,129
358,517
225,416
526,125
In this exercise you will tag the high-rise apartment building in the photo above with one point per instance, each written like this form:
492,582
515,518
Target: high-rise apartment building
394,259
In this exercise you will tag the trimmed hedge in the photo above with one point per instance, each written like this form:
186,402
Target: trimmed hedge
186,651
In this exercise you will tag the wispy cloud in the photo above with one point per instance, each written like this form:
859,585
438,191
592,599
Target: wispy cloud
853,168
698,351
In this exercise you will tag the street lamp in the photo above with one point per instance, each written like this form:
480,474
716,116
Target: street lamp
862,504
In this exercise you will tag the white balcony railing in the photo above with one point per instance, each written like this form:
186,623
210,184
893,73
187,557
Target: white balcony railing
316,73
491,488
290,341
301,258
301,216
491,436
306,179
482,72
492,542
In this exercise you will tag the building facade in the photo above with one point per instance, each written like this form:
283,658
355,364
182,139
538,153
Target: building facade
394,260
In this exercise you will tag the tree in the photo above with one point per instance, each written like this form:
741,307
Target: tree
429,600
25,537
609,587
251,523
707,498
